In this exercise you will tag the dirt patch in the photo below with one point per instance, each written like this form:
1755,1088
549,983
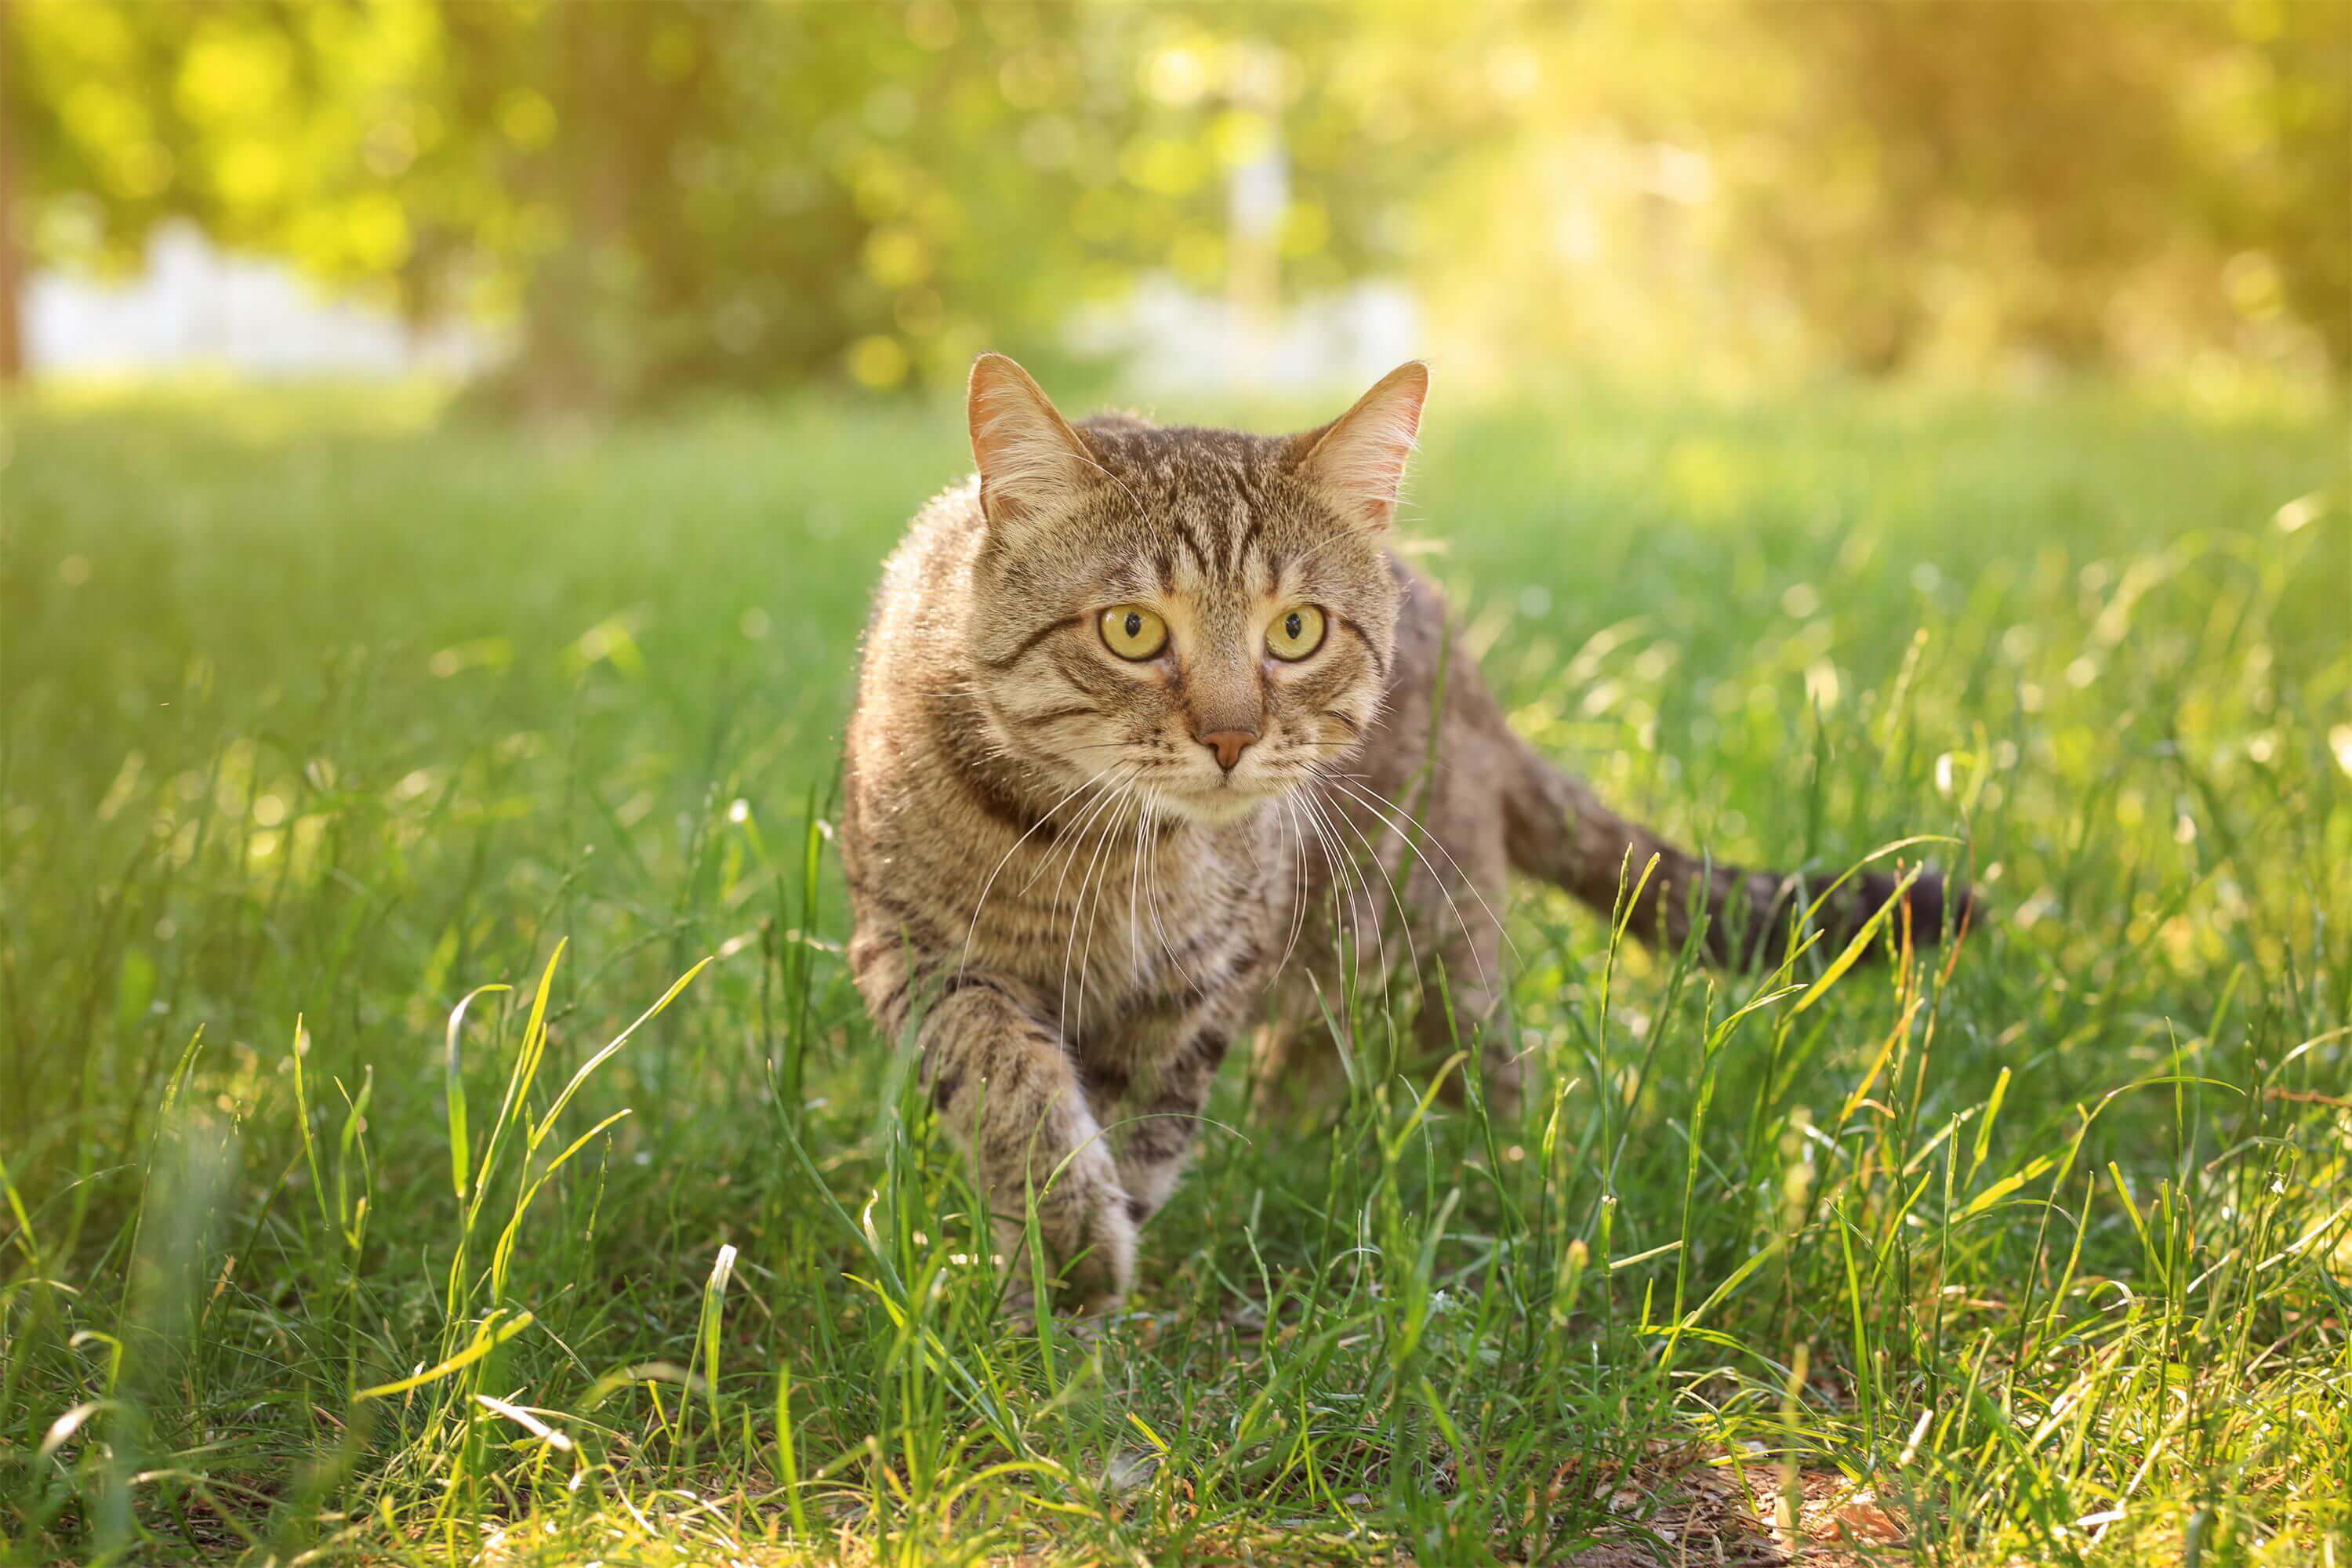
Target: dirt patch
1730,1513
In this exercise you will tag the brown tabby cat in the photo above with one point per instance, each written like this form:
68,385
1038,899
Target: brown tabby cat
1142,716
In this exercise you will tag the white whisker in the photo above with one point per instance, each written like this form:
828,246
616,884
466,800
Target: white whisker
1104,821
1144,844
1155,897
974,930
1300,895
1383,811
1396,897
1344,886
1074,839
1075,1023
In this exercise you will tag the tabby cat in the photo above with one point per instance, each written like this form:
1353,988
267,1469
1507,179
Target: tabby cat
1155,734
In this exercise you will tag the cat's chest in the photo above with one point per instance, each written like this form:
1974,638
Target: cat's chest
1130,939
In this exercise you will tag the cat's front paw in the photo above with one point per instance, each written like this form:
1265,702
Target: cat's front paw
1086,1320
1101,1268
1088,1226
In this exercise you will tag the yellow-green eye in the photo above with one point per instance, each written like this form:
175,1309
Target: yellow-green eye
1131,631
1295,633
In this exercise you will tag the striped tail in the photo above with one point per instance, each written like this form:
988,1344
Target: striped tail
1558,829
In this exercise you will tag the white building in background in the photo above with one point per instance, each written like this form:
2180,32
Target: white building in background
195,307
1175,339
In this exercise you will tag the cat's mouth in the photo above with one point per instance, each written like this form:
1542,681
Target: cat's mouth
1227,799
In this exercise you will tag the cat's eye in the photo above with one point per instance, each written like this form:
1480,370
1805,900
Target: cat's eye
1133,632
1295,633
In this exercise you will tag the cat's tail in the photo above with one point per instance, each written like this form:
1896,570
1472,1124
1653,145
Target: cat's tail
1557,829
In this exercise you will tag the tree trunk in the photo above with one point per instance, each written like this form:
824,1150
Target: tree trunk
12,270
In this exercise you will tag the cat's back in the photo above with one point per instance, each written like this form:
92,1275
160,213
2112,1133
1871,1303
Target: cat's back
926,586
912,651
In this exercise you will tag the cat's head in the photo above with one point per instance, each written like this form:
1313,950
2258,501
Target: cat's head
1207,615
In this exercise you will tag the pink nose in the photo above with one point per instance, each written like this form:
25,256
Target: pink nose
1228,744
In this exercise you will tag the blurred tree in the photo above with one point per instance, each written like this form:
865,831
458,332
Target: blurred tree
12,270
703,190
277,128
725,192
656,196
2278,171
2068,147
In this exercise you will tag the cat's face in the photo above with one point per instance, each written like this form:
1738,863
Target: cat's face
1205,615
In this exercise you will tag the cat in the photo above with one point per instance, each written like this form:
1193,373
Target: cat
1155,733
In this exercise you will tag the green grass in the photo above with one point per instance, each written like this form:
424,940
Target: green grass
320,714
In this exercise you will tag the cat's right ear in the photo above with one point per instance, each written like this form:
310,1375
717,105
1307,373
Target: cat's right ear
1029,456
1359,457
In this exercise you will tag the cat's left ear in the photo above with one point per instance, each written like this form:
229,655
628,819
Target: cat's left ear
1029,456
1359,457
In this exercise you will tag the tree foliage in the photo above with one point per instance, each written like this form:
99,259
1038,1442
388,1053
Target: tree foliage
707,191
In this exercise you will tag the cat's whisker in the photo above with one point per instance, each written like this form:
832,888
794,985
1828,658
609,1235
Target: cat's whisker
1343,902
1121,832
1156,898
1105,821
1088,908
1404,915
1097,815
1144,844
1074,839
1371,903
1070,936
1129,833
1297,896
1350,882
1067,847
974,930
1298,902
1412,841
1388,810
1138,841
1381,809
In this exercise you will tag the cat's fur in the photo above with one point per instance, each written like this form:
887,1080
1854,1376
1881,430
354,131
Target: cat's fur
1078,909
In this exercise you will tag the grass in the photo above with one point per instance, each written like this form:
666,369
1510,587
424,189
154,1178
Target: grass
322,715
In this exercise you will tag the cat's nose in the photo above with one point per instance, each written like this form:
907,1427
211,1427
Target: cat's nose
1228,744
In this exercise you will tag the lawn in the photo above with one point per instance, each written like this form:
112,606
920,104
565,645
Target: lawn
325,711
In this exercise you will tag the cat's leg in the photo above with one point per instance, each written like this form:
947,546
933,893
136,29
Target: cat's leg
1295,1068
1154,1138
1464,1006
1457,884
1009,1096
1441,856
